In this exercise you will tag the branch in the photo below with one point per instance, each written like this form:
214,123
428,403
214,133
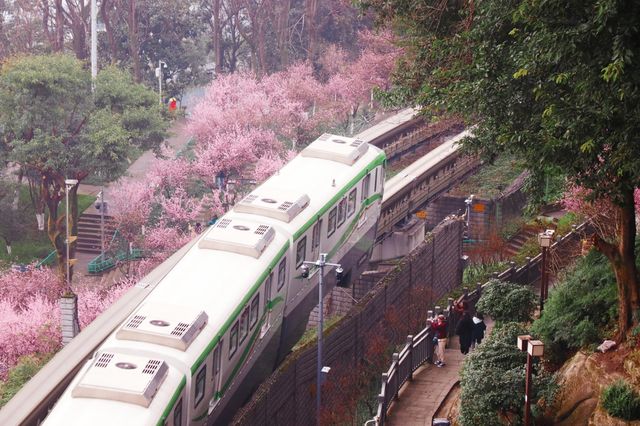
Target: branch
606,248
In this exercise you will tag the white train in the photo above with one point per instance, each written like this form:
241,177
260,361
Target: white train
225,312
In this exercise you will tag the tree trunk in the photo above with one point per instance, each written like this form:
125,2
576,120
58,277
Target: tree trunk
312,28
134,48
283,33
622,258
105,8
217,36
59,44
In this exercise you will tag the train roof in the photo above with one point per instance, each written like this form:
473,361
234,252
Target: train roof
419,167
200,295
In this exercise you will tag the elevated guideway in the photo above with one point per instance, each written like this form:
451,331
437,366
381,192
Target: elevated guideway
421,182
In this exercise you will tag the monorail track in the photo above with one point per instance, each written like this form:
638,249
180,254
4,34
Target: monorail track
419,183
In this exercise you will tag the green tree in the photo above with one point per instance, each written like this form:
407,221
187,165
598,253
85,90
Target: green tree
555,82
505,302
493,378
53,125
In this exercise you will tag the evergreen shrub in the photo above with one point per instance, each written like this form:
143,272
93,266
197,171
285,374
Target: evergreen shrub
580,308
621,400
492,380
506,302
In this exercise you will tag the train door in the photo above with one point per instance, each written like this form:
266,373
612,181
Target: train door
216,376
267,305
315,240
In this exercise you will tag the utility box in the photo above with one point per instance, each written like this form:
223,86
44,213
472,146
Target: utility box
441,422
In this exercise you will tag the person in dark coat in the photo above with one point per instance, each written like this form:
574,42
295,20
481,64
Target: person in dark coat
479,328
464,329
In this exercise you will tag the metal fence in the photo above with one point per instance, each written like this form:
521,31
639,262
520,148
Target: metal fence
419,349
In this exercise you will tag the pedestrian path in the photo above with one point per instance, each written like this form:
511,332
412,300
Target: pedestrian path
419,400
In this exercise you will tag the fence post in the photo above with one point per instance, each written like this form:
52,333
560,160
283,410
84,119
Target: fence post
528,266
382,403
410,355
396,357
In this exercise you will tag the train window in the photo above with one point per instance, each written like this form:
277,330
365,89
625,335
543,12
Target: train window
244,324
233,340
351,203
282,273
315,239
177,414
255,310
301,251
332,222
365,187
342,211
200,380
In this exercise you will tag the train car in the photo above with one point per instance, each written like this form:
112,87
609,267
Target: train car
233,305
424,180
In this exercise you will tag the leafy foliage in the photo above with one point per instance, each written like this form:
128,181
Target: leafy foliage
505,302
621,400
579,308
480,272
493,378
530,74
26,368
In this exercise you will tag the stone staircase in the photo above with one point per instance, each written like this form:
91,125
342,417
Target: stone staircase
517,241
89,232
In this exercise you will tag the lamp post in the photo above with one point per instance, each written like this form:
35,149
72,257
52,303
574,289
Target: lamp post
545,240
161,64
533,348
68,183
321,263
468,202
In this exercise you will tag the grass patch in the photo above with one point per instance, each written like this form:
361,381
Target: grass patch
491,179
312,333
33,245
26,368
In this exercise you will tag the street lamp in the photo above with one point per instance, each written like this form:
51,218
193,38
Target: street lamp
321,263
68,183
545,239
161,64
468,202
533,348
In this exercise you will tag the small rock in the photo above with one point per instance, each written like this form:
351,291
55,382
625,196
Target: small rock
606,346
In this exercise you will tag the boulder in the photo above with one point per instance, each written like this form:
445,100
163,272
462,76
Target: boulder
582,380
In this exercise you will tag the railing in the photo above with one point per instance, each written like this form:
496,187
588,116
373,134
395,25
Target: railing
47,261
103,263
419,349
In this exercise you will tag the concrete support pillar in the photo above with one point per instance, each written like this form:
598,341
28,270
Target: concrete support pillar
69,317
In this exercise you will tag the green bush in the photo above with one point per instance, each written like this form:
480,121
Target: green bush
481,272
621,400
506,302
580,308
493,377
26,368
530,248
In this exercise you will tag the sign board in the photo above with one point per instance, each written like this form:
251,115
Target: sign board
421,214
479,208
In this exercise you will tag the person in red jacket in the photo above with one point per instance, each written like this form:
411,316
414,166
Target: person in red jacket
439,326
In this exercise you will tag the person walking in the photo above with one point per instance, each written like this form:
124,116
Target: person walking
479,328
464,330
440,329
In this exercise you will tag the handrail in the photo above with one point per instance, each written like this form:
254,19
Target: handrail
47,260
102,263
392,382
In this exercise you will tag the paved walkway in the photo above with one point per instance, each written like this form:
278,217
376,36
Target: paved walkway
419,400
